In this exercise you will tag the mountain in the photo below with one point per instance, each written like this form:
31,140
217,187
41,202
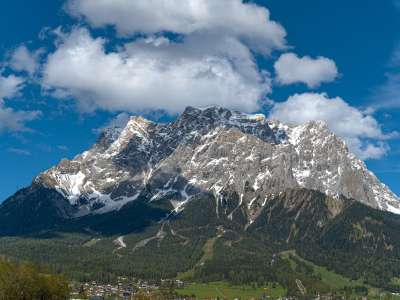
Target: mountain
238,184
204,150
210,150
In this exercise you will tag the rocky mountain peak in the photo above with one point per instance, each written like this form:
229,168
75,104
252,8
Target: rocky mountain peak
213,150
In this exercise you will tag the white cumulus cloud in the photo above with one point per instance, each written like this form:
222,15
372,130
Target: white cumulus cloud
209,61
248,22
291,69
13,120
361,131
155,73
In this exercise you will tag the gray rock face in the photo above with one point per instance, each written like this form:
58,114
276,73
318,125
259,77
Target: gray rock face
213,150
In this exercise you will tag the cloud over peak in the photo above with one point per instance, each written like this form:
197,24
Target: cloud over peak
361,131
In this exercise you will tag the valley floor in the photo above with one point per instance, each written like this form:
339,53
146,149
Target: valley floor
100,258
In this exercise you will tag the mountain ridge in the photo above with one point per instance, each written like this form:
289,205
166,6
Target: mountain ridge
123,161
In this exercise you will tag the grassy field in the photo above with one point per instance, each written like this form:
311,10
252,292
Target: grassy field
335,281
226,291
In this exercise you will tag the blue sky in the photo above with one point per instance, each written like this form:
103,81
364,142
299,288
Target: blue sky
51,116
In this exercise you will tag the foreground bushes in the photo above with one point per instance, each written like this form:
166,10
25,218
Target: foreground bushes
26,282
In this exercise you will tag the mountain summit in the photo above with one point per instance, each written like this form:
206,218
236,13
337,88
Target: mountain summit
212,150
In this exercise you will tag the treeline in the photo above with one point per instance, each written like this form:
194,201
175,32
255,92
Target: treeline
22,281
101,263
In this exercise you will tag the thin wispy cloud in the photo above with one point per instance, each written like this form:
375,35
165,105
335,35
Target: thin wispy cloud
10,119
24,60
387,95
62,148
18,151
